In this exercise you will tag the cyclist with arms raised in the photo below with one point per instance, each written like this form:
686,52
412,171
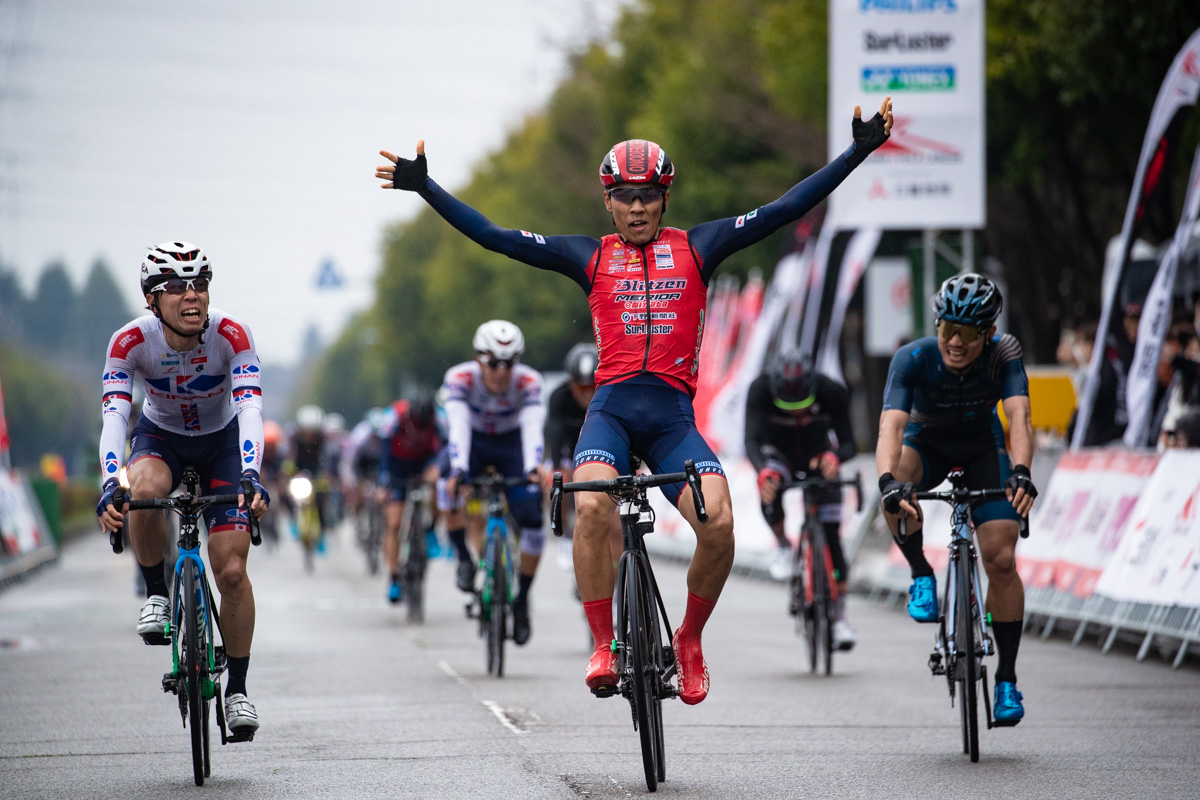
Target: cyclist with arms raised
201,377
410,448
939,412
494,417
647,287
797,418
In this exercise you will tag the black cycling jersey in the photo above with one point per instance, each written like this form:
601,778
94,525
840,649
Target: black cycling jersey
799,435
564,419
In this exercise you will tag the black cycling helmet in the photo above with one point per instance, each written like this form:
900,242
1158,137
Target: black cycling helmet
581,363
792,380
420,409
971,299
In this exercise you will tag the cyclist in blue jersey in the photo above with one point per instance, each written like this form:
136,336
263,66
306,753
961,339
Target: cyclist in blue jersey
939,412
647,286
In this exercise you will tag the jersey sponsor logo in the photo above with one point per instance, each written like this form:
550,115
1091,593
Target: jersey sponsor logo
663,258
740,222
634,330
191,416
245,371
246,394
200,360
110,463
182,386
126,342
174,363
249,452
537,237
235,335
626,285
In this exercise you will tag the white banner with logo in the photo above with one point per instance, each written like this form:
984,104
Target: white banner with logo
22,529
858,252
928,55
1079,520
1156,318
1159,557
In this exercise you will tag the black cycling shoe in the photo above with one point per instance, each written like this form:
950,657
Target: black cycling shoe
521,630
466,576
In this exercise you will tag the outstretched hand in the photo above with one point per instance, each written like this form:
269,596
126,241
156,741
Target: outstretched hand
869,135
403,173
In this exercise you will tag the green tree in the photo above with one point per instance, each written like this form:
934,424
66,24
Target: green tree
53,303
100,311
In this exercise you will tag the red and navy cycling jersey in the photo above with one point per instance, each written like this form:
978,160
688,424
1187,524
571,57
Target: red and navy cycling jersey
936,399
405,441
647,302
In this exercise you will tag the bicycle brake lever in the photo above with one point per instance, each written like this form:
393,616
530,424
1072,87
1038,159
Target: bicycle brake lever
1023,527
116,538
556,504
901,528
858,490
255,528
693,481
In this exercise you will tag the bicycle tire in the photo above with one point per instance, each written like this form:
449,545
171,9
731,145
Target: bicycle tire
808,597
193,681
658,669
374,536
637,645
498,612
414,565
964,641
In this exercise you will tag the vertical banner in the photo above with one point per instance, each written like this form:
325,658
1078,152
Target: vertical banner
854,263
5,462
1177,94
1156,318
816,290
928,55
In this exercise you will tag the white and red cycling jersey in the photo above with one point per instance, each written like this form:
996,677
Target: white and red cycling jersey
470,407
192,394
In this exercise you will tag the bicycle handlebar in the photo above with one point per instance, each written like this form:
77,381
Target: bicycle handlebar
626,486
816,480
183,504
958,495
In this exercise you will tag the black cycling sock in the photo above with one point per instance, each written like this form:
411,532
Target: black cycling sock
1008,641
156,582
458,538
914,554
395,577
523,583
237,674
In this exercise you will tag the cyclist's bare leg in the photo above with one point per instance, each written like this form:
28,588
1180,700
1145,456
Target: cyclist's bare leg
777,531
997,547
476,527
148,478
227,552
393,514
713,558
594,513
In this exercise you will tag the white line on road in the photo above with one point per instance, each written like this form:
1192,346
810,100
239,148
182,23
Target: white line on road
449,670
501,715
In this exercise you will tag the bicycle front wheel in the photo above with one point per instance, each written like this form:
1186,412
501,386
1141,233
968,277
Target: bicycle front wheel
193,665
414,566
497,621
640,674
964,642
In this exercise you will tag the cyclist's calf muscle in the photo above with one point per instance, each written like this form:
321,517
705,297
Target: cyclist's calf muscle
148,478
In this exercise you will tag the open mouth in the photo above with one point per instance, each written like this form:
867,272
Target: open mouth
191,315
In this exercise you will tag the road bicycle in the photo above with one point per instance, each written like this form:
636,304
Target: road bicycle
962,640
369,526
413,525
813,585
642,642
492,603
306,493
197,661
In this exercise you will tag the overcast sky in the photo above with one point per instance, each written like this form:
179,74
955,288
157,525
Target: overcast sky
252,129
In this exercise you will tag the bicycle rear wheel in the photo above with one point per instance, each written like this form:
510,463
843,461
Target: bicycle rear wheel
964,642
497,621
414,565
374,538
637,649
192,664
823,612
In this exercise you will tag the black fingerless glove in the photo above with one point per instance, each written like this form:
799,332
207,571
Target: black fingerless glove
410,175
893,491
868,136
106,497
259,489
1020,479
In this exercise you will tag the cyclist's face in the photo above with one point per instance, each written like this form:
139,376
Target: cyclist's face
185,312
582,393
637,219
956,355
496,379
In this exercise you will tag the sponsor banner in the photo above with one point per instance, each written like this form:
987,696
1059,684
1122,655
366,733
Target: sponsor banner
928,55
1079,520
21,527
1179,92
858,252
4,441
1158,560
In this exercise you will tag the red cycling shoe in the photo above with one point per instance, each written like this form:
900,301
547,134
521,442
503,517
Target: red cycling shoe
602,672
693,671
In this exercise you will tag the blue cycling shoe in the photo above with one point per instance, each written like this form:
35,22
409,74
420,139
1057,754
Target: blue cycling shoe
1007,710
395,592
922,599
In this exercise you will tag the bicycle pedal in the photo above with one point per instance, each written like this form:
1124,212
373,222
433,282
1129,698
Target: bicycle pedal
153,639
935,664
240,735
170,683
604,690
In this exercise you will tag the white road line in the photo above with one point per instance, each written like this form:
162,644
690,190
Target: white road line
449,670
498,712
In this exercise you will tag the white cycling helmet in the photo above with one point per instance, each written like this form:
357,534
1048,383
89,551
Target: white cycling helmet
173,260
334,424
499,338
376,418
310,418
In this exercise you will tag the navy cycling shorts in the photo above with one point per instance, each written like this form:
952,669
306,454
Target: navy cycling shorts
650,418
503,452
401,472
984,460
214,455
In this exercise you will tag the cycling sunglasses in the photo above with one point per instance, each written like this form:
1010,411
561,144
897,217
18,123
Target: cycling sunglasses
967,333
499,363
647,194
178,286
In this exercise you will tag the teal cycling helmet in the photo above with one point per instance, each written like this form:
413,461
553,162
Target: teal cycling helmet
970,299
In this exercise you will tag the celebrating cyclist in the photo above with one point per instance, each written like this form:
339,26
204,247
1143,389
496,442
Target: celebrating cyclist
647,287
797,418
939,412
410,446
494,414
200,374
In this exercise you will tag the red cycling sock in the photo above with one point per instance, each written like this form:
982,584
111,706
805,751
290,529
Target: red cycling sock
600,620
699,609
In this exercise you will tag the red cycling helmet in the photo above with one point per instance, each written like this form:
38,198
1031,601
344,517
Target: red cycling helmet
637,161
